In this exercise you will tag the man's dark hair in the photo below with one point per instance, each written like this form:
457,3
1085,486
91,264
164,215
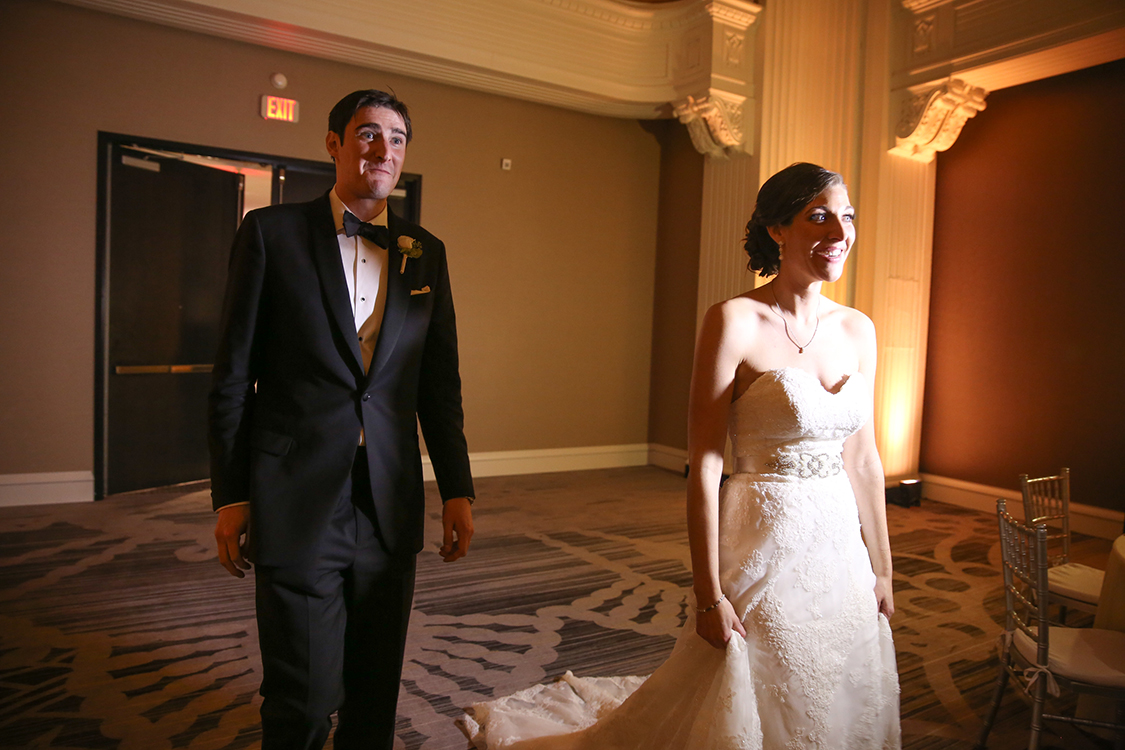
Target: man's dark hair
346,108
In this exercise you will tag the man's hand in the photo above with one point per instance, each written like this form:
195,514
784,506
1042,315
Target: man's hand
457,527
231,536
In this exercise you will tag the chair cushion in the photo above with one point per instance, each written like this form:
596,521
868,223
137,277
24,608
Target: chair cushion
1077,581
1111,603
1081,654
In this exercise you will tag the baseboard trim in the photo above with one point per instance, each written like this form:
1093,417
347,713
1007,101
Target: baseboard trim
47,488
78,486
509,463
1085,519
666,457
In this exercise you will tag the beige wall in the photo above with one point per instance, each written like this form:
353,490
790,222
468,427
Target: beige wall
552,262
677,281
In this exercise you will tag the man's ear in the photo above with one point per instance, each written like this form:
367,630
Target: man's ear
332,143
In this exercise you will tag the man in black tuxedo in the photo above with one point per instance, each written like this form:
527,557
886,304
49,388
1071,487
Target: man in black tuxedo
338,340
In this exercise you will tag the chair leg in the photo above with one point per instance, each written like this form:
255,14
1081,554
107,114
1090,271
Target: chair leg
994,708
1037,702
1119,735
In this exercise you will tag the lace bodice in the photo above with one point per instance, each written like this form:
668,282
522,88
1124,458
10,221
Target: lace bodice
788,412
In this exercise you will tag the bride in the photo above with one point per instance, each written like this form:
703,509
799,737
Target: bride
787,643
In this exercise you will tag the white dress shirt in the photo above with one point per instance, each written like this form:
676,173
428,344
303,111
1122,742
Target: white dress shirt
365,268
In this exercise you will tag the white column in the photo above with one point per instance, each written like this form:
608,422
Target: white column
729,189
892,265
812,84
812,77
812,88
902,132
899,298
726,134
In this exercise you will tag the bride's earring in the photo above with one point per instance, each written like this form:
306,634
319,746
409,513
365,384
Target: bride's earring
781,251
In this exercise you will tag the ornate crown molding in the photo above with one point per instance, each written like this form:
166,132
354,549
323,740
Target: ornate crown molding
741,15
932,120
1001,43
605,57
921,6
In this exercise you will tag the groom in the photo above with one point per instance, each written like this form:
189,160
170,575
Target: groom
338,338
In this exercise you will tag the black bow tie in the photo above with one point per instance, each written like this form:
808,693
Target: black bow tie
353,226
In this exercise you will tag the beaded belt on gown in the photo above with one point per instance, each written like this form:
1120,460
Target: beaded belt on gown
803,464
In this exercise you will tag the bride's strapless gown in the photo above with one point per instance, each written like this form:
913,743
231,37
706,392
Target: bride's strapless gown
817,667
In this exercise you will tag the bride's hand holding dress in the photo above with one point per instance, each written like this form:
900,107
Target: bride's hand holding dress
718,625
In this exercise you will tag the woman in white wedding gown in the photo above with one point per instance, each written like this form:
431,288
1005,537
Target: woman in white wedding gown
787,643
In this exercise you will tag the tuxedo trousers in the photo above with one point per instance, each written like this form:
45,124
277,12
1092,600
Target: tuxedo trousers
333,633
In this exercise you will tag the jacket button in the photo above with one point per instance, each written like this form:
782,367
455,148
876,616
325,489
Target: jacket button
367,397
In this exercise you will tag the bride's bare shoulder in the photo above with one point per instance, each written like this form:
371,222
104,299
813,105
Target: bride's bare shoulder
854,320
744,310
732,324
853,323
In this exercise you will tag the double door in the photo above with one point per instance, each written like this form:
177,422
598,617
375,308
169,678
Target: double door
168,219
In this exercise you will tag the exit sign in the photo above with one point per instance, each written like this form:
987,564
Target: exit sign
277,108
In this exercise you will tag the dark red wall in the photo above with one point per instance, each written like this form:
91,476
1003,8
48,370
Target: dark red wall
1026,363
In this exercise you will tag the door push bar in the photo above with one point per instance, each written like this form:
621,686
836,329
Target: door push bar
160,369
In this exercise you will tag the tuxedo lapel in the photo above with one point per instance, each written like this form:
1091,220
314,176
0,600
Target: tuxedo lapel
330,269
398,299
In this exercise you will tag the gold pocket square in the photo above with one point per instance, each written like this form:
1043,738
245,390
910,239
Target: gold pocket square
423,290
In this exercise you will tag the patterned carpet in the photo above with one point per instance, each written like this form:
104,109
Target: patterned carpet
118,629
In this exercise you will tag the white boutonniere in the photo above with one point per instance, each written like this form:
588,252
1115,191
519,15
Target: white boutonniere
410,248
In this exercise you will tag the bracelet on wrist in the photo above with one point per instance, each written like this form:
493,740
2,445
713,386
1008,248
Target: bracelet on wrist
718,601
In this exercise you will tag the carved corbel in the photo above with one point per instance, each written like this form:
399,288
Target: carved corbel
713,74
932,120
714,122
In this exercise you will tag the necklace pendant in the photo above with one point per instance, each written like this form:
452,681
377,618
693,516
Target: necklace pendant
800,350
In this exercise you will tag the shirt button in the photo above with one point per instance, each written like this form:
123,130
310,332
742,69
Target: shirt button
363,299
367,397
363,260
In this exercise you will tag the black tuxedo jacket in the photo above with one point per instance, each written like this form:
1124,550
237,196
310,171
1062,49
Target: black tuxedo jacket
289,394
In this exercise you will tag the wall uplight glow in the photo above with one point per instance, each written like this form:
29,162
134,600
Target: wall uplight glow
898,406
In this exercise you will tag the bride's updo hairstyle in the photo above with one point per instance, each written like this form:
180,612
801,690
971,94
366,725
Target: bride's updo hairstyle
780,200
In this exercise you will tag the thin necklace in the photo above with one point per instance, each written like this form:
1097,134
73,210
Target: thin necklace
777,311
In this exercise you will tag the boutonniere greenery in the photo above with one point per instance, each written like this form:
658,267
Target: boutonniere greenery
410,248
